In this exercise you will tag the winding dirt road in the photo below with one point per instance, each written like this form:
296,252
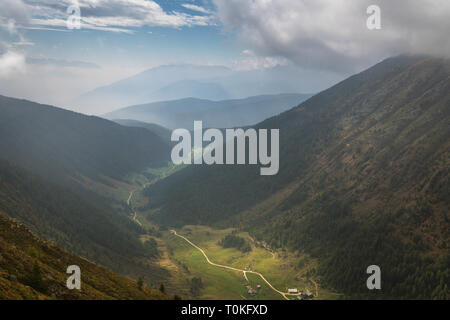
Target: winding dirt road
283,294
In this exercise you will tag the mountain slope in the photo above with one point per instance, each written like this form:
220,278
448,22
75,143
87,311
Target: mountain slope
190,88
74,224
364,179
22,253
60,144
215,114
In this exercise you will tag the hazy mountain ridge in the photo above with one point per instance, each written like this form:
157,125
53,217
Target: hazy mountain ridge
143,87
190,88
364,179
215,83
214,114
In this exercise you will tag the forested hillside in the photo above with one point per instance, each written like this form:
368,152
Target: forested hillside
364,179
31,268
74,224
58,144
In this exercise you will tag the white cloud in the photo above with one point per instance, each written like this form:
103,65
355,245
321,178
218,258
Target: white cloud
12,62
13,11
13,14
332,34
112,15
250,61
194,7
22,43
42,24
62,84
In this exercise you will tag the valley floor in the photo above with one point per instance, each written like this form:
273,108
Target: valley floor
193,253
222,274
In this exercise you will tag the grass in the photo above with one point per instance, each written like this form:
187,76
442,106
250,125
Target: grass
218,283
280,268
264,293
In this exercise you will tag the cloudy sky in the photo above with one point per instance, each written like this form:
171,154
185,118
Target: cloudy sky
43,60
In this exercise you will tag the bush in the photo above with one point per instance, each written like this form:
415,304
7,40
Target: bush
233,241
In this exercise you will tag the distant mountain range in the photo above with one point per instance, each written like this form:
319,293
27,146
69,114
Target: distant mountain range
364,179
214,114
173,82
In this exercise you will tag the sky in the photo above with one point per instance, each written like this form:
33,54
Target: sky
43,60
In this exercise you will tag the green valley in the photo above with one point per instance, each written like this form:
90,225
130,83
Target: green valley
181,255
